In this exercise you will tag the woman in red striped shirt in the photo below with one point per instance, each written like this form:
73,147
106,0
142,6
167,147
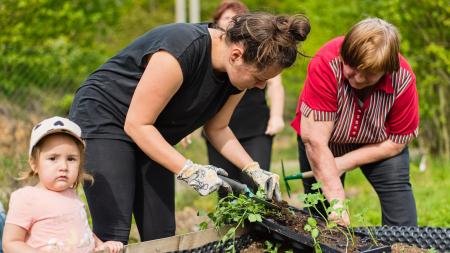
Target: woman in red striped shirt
359,108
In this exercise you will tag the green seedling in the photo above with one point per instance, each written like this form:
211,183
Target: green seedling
340,211
237,210
312,228
271,247
319,197
312,200
309,201
361,218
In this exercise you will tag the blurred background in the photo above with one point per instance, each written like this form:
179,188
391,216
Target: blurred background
48,47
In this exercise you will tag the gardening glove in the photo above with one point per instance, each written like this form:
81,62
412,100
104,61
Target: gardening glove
265,180
203,178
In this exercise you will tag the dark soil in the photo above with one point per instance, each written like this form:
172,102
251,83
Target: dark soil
254,247
334,238
404,248
296,221
258,247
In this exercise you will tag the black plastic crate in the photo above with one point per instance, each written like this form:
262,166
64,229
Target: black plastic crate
305,244
423,237
241,243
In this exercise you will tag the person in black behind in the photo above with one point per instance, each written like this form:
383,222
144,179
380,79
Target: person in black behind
253,123
164,85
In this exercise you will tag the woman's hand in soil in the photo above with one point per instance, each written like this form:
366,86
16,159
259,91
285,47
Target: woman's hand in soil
203,178
340,215
265,180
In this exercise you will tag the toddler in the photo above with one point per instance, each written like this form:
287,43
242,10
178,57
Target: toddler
49,216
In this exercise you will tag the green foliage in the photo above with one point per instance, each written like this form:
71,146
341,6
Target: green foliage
237,210
428,187
54,45
311,227
432,250
361,218
425,31
136,19
271,247
47,44
312,200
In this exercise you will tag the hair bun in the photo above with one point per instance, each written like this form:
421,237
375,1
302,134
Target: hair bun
290,30
269,39
299,27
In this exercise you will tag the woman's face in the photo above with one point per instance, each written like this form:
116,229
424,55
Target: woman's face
245,76
225,19
360,80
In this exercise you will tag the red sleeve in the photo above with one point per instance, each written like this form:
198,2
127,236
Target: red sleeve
320,91
402,123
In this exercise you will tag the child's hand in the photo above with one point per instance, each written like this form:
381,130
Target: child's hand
113,246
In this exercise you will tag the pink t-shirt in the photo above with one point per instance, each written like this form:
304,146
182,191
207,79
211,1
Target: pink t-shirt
55,221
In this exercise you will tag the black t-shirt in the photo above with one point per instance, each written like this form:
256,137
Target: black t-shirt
101,103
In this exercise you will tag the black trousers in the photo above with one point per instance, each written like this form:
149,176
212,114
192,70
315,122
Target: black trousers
390,180
128,182
258,147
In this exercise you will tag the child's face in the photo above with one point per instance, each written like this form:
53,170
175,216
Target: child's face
58,163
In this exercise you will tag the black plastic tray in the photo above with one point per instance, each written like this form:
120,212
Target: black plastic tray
305,243
240,243
423,237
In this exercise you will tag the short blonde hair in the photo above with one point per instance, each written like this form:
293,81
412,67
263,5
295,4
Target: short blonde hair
372,45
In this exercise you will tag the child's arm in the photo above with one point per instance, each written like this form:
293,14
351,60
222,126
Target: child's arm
14,240
114,246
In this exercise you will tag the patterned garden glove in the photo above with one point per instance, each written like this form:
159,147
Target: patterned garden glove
203,178
264,179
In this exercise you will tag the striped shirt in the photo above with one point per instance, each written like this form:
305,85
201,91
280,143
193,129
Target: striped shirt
390,111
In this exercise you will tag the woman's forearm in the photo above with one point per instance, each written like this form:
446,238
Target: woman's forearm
150,140
325,171
228,145
275,94
370,153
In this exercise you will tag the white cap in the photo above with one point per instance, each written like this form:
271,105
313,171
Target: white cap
51,126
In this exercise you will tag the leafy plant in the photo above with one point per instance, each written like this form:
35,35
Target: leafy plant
361,218
311,201
271,247
237,210
312,228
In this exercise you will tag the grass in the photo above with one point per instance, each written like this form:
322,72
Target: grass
430,190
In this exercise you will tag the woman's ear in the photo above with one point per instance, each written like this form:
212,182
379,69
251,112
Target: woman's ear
236,53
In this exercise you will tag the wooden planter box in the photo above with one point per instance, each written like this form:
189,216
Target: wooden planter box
179,242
